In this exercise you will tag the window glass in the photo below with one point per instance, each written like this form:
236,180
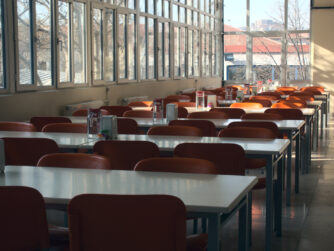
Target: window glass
196,52
109,46
150,48
299,15
166,9
142,44
190,53
159,7
150,6
64,41
177,69
97,44
235,13
122,57
132,46
142,5
2,74
175,13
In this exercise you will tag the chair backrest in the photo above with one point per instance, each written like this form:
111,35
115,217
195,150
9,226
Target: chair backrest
141,103
232,113
263,102
117,110
301,97
248,132
207,115
181,112
304,94
23,219
65,127
264,97
123,155
185,104
127,222
84,112
207,127
179,98
40,122
286,88
74,160
314,89
127,126
176,130
17,126
177,165
276,94
138,114
247,105
289,104
228,158
27,151
262,116
287,114
256,124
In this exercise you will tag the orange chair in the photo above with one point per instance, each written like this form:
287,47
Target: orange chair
117,110
311,90
141,103
185,104
208,115
138,114
262,116
232,113
17,126
160,223
286,90
290,104
27,151
127,126
253,105
123,155
256,124
207,127
317,89
40,122
65,127
237,87
287,114
175,130
301,98
84,112
177,165
74,160
23,219
263,102
276,94
228,158
264,97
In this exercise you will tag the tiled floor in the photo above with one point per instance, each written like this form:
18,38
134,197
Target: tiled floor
309,223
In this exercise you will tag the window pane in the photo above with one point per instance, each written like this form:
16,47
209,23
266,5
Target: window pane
201,5
109,47
182,15
142,44
24,42
206,63
299,15
43,43
166,53
79,42
64,41
150,49
267,15
2,77
196,52
235,14
159,7
175,13
190,53
189,17
97,44
122,46
132,4
150,6
132,49
166,9
298,56
235,57
182,52
142,5
195,18
176,52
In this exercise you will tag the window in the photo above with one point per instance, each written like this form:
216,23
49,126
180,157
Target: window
147,48
179,51
2,48
164,50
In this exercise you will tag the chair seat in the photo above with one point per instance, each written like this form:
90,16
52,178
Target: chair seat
261,183
197,242
257,164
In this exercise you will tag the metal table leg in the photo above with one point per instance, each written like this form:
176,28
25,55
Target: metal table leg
269,203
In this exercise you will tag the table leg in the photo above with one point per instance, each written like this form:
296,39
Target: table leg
288,171
297,162
278,198
315,129
243,228
214,231
322,125
308,143
269,203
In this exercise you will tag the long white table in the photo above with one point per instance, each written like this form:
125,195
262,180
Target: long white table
208,196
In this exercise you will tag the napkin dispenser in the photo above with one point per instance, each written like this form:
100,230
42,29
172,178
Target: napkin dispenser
2,156
108,127
171,112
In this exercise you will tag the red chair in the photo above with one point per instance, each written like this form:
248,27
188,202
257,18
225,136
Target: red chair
181,111
232,113
106,222
264,97
208,115
175,130
177,165
276,94
123,155
253,105
207,127
84,112
23,219
286,90
65,127
17,126
256,124
316,90
290,104
303,97
141,104
40,122
74,160
138,114
287,114
262,116
117,110
127,126
263,102
185,104
27,151
228,158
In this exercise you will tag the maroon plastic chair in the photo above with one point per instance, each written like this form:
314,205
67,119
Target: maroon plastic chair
138,114
232,113
182,112
127,126
128,222
287,114
84,112
263,102
207,127
228,158
207,115
117,110
74,160
261,116
23,219
140,104
175,130
177,165
65,127
40,122
27,151
17,126
123,155
256,124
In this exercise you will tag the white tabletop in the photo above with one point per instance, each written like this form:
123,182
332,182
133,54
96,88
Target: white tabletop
63,140
168,143
200,193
